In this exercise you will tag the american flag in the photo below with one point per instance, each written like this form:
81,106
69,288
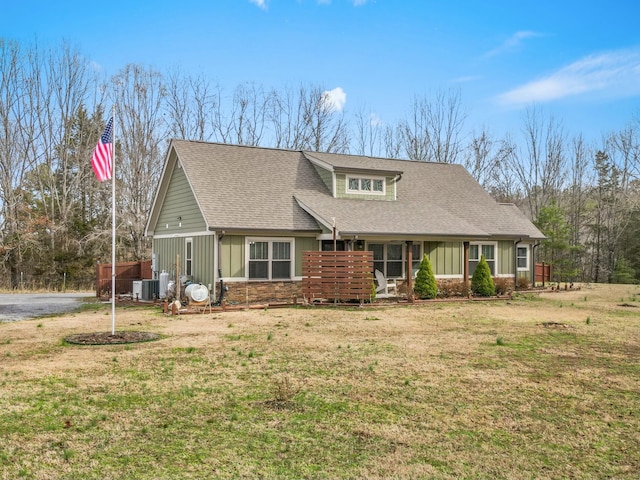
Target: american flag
101,160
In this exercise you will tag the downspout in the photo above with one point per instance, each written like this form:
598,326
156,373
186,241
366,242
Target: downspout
465,266
515,264
533,261
395,180
222,287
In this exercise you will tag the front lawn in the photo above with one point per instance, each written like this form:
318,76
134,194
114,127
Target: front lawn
535,387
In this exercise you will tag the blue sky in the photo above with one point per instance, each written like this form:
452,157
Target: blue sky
578,61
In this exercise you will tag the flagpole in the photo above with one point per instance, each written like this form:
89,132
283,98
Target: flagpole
113,224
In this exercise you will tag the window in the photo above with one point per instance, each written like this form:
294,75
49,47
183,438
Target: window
476,250
390,258
269,259
416,257
522,258
394,260
188,256
371,185
327,245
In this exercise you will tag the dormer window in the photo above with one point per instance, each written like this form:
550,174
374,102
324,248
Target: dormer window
366,185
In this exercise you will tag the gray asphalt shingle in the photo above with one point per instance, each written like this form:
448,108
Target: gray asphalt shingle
254,188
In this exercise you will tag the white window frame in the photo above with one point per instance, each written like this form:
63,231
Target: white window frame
188,256
270,259
359,190
495,254
526,257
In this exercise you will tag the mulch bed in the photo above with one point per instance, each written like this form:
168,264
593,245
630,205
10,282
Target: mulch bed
106,338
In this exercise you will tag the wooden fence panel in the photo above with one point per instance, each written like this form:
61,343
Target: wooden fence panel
126,273
542,273
337,275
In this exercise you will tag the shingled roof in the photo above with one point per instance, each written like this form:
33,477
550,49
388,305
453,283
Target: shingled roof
265,189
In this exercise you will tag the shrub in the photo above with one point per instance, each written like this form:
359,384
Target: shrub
481,282
448,289
425,286
502,285
523,283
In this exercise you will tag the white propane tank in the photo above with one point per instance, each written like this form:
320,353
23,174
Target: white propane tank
164,284
197,292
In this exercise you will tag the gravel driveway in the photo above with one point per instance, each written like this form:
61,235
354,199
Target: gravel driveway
21,306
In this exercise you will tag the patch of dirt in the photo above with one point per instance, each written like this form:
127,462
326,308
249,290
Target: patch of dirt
278,404
106,338
554,325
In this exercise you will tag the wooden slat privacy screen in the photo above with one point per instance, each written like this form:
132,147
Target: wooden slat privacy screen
126,273
337,275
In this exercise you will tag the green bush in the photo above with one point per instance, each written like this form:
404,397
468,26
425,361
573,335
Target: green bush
425,286
481,282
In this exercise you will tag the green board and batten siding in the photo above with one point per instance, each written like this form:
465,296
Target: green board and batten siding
180,213
505,257
445,257
167,251
179,219
232,256
304,244
232,253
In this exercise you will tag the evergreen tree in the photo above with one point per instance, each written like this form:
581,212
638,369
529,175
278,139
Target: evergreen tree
623,273
425,286
481,282
556,248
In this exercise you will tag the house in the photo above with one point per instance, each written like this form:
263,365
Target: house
244,215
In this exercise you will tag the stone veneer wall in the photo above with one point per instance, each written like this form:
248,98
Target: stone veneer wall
262,292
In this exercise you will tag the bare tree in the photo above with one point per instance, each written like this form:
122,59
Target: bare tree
541,169
625,149
486,159
138,94
191,103
307,120
64,86
15,139
392,142
248,113
367,133
581,179
433,129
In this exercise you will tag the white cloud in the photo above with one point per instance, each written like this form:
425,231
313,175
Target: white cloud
359,3
335,98
260,3
467,79
375,120
613,74
512,43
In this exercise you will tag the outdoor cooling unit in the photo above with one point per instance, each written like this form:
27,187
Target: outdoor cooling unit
150,289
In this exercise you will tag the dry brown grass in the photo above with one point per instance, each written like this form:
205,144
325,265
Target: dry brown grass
441,390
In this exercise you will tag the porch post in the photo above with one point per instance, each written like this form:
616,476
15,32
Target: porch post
465,267
410,271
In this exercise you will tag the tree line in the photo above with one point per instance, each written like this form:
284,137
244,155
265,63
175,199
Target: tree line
55,217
